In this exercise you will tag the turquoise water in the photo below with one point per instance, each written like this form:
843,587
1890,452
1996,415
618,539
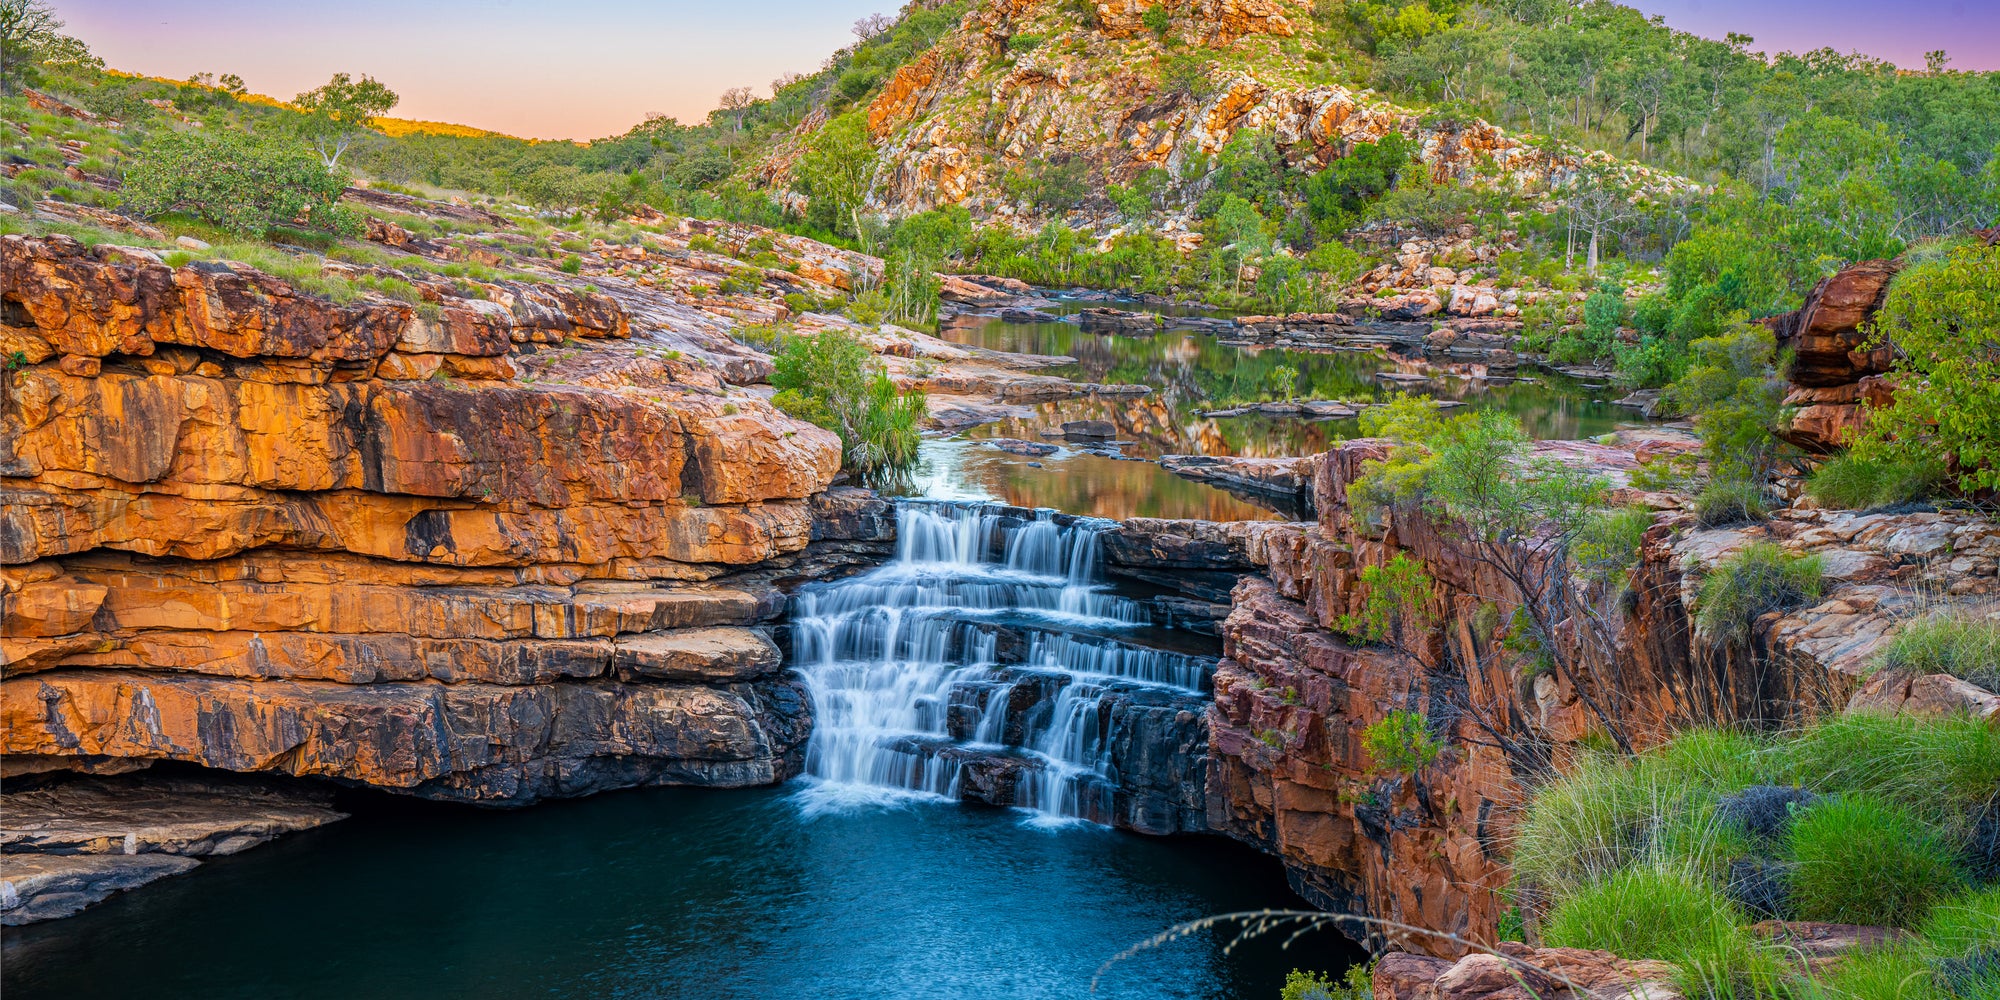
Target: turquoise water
674,893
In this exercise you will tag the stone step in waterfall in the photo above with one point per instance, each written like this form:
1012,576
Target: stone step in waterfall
990,660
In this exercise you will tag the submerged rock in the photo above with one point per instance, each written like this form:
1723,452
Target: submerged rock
36,887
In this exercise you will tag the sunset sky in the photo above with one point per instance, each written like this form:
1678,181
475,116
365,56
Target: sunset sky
583,69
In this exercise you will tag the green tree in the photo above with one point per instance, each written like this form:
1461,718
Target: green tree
25,27
339,110
836,172
243,182
1943,315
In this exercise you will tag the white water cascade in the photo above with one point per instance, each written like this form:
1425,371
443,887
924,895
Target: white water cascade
990,645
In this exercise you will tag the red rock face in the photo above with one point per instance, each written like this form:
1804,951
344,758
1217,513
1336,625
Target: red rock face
250,528
1836,366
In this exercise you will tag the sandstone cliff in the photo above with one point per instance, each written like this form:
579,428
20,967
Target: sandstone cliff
1293,697
255,529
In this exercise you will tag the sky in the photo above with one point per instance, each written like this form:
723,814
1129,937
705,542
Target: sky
583,69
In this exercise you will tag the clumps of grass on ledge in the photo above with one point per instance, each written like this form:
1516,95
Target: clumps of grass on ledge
1955,642
1731,502
1756,580
1674,853
1856,482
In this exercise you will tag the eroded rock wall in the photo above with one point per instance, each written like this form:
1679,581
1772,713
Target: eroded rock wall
1294,697
254,529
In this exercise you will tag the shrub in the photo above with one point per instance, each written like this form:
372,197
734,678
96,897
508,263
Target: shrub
571,264
1860,482
1758,579
1645,913
1731,501
1938,768
1609,542
1952,642
1949,403
1024,42
1401,741
1859,859
1354,984
236,181
831,380
1396,602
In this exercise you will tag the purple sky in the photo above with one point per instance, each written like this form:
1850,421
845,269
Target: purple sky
1900,31
582,69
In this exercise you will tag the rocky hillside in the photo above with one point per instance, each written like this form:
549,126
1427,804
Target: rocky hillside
1119,89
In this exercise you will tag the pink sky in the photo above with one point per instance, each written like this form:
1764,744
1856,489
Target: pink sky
584,69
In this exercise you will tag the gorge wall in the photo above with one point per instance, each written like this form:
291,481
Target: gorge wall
1288,771
255,529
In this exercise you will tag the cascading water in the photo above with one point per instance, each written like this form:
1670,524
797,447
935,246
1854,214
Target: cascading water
987,654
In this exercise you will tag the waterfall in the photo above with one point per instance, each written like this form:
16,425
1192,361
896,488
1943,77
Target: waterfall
986,655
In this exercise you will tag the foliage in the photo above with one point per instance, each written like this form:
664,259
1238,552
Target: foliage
26,28
1730,501
1608,543
238,181
835,173
832,380
1956,642
1401,741
1396,603
337,109
1646,912
1942,314
1909,867
1732,390
1758,579
1860,482
1354,984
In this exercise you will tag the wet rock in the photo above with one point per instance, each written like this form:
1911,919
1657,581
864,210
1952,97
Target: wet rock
1288,479
1016,446
36,887
158,815
1089,429
1119,321
1028,316
704,655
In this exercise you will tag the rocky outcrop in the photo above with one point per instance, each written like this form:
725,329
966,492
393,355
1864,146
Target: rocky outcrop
72,844
1515,970
1836,369
1294,696
254,529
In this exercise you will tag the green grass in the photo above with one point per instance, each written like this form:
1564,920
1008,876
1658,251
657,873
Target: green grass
1950,642
1855,482
1730,502
1940,768
1643,913
1758,579
1858,859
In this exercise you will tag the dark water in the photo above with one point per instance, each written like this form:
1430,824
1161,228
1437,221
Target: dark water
677,893
1193,373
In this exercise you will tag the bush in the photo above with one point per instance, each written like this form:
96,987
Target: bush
1401,741
1646,913
236,181
1354,984
1859,859
1730,502
1758,579
1949,400
831,380
1938,768
1952,642
1861,482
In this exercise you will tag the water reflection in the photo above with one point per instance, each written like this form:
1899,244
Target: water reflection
1193,374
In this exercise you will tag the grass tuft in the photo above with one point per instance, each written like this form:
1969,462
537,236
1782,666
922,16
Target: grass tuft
1859,859
1758,579
1949,642
1853,482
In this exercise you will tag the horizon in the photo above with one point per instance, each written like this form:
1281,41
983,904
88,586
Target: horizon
676,59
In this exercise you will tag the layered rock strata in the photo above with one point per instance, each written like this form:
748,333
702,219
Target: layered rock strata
254,529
